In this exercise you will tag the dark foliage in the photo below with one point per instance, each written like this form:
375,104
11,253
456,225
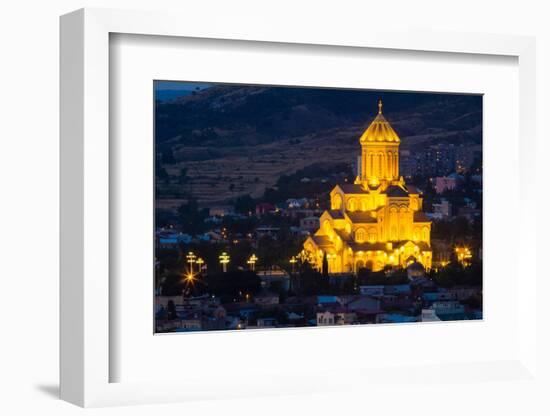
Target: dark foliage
232,284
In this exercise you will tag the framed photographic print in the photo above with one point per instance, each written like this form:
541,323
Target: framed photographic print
279,208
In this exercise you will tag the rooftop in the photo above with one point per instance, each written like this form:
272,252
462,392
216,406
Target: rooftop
361,217
379,130
352,188
419,216
396,191
322,241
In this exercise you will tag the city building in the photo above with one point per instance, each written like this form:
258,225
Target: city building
364,304
372,290
429,315
264,208
343,317
436,160
296,203
172,240
221,211
443,183
415,271
274,276
448,310
442,210
377,221
309,224
267,232
325,318
265,297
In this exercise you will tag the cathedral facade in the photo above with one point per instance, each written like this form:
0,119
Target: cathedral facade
377,221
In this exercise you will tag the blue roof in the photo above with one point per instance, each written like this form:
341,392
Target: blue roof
397,289
168,240
398,318
430,296
327,299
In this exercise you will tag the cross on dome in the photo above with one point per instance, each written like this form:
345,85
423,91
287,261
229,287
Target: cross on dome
379,130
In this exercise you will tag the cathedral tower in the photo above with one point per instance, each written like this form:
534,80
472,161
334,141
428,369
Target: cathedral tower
377,221
379,153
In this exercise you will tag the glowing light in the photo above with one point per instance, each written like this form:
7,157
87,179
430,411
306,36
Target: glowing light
252,261
464,255
191,258
224,260
393,226
293,261
200,262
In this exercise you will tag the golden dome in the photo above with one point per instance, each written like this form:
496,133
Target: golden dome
379,130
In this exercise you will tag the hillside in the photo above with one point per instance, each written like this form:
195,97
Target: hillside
239,139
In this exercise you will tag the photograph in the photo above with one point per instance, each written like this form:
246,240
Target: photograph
289,206
245,207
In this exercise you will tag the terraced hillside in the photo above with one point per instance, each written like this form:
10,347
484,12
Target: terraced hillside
235,140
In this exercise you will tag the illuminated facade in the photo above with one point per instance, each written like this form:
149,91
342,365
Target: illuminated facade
377,221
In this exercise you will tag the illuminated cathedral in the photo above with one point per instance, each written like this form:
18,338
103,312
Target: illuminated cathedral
377,221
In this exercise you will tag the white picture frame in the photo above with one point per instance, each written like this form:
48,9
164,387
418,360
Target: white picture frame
86,355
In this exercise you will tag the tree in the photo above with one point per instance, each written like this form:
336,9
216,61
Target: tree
454,274
312,282
171,310
172,284
191,218
244,204
233,283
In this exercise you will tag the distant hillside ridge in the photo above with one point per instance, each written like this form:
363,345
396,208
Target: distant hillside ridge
232,116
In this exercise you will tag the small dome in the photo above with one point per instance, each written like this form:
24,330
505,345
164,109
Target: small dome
379,130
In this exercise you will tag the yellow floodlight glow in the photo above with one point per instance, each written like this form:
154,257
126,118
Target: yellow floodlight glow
252,261
224,261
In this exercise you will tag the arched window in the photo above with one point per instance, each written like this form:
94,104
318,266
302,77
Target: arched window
416,235
371,165
380,165
326,226
372,235
337,202
360,235
352,206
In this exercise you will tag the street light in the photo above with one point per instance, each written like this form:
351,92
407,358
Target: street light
252,261
190,277
200,262
293,261
464,255
224,260
191,258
